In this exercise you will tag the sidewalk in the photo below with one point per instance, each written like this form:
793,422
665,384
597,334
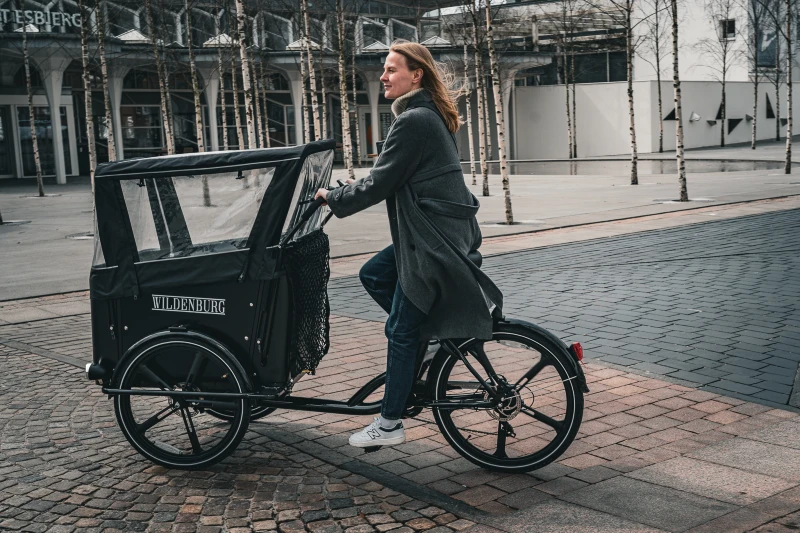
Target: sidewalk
56,225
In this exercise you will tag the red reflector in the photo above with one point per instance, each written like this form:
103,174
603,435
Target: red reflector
577,349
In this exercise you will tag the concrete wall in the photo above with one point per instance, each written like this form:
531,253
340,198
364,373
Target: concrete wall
604,124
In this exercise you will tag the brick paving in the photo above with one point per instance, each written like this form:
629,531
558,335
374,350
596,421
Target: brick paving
651,455
714,305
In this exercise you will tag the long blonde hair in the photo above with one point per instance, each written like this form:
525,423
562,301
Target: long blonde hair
436,78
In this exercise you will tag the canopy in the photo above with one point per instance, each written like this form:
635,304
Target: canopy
213,217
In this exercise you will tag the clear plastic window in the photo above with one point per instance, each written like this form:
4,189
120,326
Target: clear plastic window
194,215
98,259
315,174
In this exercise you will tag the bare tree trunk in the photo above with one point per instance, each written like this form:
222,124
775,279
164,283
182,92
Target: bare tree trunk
34,141
755,113
788,163
87,94
777,91
237,115
170,119
469,117
347,149
223,101
722,114
754,47
488,126
248,87
482,107
198,108
574,110
101,41
565,69
629,66
660,107
324,134
676,85
266,105
498,109
304,77
259,118
169,138
311,74
355,108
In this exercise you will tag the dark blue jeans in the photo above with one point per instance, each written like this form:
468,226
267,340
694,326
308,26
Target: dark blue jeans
379,277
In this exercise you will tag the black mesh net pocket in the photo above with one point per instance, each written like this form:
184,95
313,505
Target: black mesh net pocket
308,271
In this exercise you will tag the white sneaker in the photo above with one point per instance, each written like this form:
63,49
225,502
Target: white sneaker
375,435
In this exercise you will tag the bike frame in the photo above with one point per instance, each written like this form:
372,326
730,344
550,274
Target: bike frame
420,397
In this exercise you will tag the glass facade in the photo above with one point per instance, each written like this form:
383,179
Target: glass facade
44,139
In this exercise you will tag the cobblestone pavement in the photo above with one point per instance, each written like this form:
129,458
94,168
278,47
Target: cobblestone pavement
714,305
651,455
64,466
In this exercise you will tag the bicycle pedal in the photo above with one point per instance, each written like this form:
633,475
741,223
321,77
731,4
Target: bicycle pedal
371,449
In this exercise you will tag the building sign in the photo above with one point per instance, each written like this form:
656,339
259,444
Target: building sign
40,18
189,304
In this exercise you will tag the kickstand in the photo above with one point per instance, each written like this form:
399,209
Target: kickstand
371,449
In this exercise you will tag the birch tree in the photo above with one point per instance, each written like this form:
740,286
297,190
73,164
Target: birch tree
32,117
237,114
263,78
311,74
355,106
656,49
620,13
304,83
498,108
468,103
347,149
755,20
259,118
101,40
160,74
248,87
720,52
221,69
87,94
198,108
789,13
676,86
481,94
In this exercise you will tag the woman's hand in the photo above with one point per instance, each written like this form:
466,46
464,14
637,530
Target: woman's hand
349,181
322,193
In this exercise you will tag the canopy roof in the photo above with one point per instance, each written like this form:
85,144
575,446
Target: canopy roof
207,162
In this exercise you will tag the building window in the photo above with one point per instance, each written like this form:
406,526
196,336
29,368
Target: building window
727,29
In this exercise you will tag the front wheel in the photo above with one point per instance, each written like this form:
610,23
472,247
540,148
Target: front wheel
180,432
541,407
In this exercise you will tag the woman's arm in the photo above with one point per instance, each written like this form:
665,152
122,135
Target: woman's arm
396,163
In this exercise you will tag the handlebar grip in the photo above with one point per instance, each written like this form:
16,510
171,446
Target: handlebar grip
312,208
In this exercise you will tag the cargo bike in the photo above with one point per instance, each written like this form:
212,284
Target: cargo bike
209,302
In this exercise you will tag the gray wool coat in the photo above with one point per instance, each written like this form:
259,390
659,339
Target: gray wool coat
432,221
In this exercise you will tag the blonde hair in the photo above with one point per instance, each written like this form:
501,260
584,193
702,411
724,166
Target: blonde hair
436,78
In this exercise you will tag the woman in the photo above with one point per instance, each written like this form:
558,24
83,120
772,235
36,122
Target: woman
425,279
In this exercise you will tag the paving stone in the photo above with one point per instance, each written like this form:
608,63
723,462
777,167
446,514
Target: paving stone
656,506
759,457
711,480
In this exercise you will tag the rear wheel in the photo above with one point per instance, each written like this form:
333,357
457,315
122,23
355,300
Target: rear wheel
179,432
541,407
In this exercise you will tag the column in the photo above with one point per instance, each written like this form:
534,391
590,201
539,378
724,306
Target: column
296,84
211,77
374,91
116,74
52,70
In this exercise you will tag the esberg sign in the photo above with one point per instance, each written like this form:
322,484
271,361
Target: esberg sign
40,18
